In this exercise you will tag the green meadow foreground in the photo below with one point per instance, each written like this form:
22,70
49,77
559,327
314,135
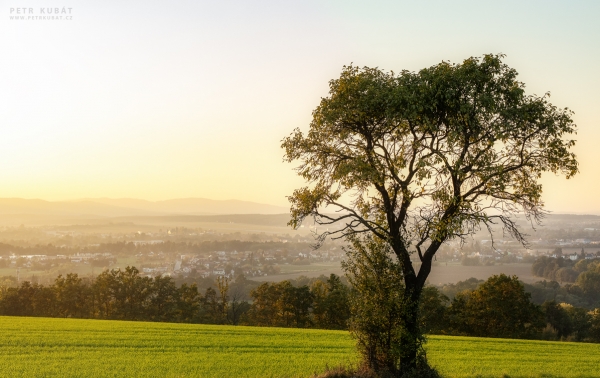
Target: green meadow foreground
38,347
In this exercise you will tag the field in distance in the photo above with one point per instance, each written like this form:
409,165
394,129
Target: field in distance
441,274
35,347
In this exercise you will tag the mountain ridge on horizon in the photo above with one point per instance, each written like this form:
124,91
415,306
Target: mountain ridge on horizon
22,210
109,207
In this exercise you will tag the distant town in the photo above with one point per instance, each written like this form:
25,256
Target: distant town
255,249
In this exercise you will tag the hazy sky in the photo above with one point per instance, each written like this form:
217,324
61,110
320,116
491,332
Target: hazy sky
161,100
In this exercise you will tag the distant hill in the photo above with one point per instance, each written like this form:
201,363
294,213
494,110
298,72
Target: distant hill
37,211
277,220
85,208
193,206
94,208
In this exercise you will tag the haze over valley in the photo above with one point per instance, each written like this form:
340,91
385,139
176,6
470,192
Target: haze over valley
41,239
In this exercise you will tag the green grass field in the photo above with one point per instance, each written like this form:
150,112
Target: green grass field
39,347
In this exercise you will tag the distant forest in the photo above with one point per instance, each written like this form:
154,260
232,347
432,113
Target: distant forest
498,307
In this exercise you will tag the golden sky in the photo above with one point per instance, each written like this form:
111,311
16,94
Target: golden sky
165,100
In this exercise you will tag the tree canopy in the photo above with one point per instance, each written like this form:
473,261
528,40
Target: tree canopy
429,156
500,307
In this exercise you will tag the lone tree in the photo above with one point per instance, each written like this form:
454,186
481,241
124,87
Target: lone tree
420,158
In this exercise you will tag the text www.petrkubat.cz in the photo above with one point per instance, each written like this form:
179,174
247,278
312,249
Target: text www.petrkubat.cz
50,14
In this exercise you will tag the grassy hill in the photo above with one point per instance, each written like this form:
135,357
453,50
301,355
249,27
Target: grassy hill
37,347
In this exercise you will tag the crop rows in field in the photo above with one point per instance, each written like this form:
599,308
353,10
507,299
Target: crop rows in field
481,357
37,347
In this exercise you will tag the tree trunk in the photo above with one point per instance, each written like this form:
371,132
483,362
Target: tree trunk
412,337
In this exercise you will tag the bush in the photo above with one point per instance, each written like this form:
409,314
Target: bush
377,308
343,372
375,304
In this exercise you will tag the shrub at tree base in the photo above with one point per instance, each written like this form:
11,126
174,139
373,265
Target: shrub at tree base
376,306
363,372
343,372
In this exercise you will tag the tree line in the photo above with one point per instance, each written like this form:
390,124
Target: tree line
498,307
127,295
501,307
581,277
